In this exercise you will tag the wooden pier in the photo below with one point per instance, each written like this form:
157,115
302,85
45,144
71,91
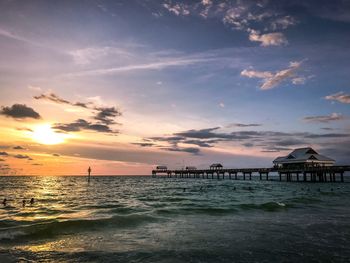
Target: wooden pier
307,174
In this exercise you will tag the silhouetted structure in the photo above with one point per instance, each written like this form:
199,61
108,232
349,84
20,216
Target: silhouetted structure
216,166
161,168
303,168
89,172
303,157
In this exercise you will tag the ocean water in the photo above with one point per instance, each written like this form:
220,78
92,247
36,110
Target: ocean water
144,219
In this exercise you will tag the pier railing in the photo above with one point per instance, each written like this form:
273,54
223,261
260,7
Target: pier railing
307,174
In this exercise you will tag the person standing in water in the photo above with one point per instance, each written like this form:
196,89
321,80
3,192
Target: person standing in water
89,172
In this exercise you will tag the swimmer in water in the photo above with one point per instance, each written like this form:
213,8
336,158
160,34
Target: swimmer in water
32,201
4,202
24,203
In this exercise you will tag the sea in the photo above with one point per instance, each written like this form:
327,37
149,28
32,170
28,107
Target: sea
145,219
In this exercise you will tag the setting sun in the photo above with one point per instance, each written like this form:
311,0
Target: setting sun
44,134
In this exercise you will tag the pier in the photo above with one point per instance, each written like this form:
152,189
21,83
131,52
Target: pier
302,164
306,174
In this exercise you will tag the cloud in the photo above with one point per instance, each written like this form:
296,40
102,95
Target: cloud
56,154
18,148
106,115
270,79
268,141
21,156
269,39
144,144
158,65
242,125
35,88
222,105
178,9
191,150
19,111
283,23
37,164
86,56
11,35
299,80
2,160
24,129
205,144
247,16
256,74
324,119
81,124
56,99
340,97
4,154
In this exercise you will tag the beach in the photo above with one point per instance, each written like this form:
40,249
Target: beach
144,219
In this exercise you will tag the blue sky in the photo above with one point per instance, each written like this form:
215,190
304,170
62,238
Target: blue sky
276,72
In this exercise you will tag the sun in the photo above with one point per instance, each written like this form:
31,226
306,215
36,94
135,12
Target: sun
44,134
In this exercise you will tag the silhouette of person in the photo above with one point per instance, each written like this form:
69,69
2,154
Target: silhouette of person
4,202
32,201
24,203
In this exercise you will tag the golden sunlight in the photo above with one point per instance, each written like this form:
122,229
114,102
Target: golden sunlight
44,134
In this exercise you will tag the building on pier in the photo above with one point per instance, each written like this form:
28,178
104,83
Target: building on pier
303,157
216,166
190,168
162,168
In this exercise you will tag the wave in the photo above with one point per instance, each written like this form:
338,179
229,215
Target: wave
197,210
55,227
269,206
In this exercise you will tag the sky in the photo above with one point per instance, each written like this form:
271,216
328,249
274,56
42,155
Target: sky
123,86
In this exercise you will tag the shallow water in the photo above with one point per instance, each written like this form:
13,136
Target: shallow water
144,219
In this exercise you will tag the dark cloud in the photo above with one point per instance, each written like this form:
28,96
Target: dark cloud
324,118
19,111
144,144
289,142
106,115
18,148
82,104
200,143
4,154
37,164
270,141
22,156
81,124
52,97
242,125
327,135
24,129
2,160
56,154
56,99
191,150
